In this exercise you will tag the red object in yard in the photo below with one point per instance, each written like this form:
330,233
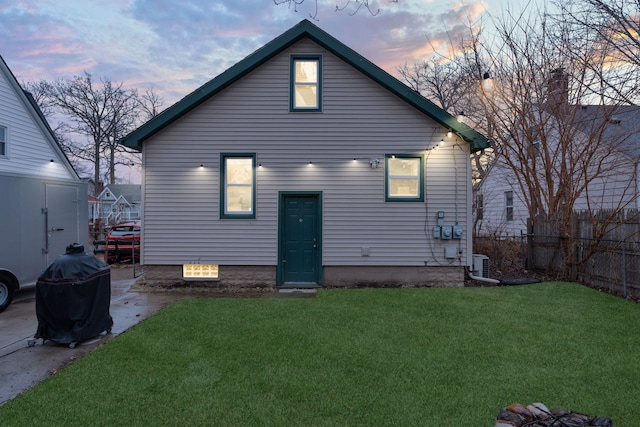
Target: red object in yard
120,240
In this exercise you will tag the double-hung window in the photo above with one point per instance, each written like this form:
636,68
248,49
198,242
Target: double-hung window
306,83
508,203
404,178
479,206
238,185
3,141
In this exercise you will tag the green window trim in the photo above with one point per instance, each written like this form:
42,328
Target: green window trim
237,185
305,87
404,177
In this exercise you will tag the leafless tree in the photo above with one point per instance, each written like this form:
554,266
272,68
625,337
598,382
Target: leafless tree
451,82
558,154
352,6
616,21
614,27
92,116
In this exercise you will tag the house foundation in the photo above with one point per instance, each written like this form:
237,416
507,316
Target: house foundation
233,276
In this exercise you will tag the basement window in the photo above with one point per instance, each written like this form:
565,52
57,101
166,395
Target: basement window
404,178
200,271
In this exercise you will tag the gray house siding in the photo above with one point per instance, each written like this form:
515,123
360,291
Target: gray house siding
359,119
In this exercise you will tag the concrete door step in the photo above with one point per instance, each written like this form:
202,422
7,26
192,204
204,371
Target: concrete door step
297,291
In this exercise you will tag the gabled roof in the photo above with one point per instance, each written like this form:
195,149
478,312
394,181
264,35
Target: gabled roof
621,129
304,29
38,117
131,192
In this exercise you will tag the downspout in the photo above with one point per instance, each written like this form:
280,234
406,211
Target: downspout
482,279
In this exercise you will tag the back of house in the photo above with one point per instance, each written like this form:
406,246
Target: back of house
305,165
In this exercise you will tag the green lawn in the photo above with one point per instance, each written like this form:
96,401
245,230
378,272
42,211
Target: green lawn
360,357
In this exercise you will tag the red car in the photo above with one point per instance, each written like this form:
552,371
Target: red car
119,242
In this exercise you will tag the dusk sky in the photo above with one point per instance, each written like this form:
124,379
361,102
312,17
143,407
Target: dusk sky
175,46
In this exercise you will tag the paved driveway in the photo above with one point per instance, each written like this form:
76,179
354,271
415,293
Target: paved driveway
22,367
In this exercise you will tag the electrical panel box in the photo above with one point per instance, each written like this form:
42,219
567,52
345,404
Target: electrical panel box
447,232
458,231
436,232
450,252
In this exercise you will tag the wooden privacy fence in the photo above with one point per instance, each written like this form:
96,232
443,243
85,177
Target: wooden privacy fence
610,261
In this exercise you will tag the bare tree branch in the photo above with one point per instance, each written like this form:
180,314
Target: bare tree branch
100,112
353,6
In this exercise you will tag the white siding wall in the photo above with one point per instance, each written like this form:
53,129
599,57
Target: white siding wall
359,120
28,150
612,186
500,180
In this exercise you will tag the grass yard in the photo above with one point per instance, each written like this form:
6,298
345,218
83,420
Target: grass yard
360,357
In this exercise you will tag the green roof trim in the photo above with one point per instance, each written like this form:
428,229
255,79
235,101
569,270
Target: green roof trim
304,29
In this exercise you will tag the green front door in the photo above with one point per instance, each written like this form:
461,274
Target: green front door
300,244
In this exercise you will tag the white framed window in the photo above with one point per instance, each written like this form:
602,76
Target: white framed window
238,185
3,141
479,206
306,83
508,203
404,178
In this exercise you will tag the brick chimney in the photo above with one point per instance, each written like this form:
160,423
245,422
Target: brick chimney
558,89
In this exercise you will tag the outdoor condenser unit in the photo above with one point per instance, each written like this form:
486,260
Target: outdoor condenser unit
480,265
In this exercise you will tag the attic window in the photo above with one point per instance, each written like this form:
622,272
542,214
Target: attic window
306,83
3,141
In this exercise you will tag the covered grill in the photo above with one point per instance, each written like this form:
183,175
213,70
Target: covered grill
73,297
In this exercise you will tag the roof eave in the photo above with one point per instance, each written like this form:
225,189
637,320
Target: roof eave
304,29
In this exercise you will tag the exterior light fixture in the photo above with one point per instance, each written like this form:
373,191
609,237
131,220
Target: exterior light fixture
51,161
449,134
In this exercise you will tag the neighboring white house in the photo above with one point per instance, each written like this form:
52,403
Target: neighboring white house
43,203
306,165
611,164
116,203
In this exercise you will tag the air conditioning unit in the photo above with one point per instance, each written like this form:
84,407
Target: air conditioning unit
480,265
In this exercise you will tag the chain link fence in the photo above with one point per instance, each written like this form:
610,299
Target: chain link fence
608,264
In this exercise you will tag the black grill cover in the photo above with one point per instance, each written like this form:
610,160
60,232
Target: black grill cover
73,297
